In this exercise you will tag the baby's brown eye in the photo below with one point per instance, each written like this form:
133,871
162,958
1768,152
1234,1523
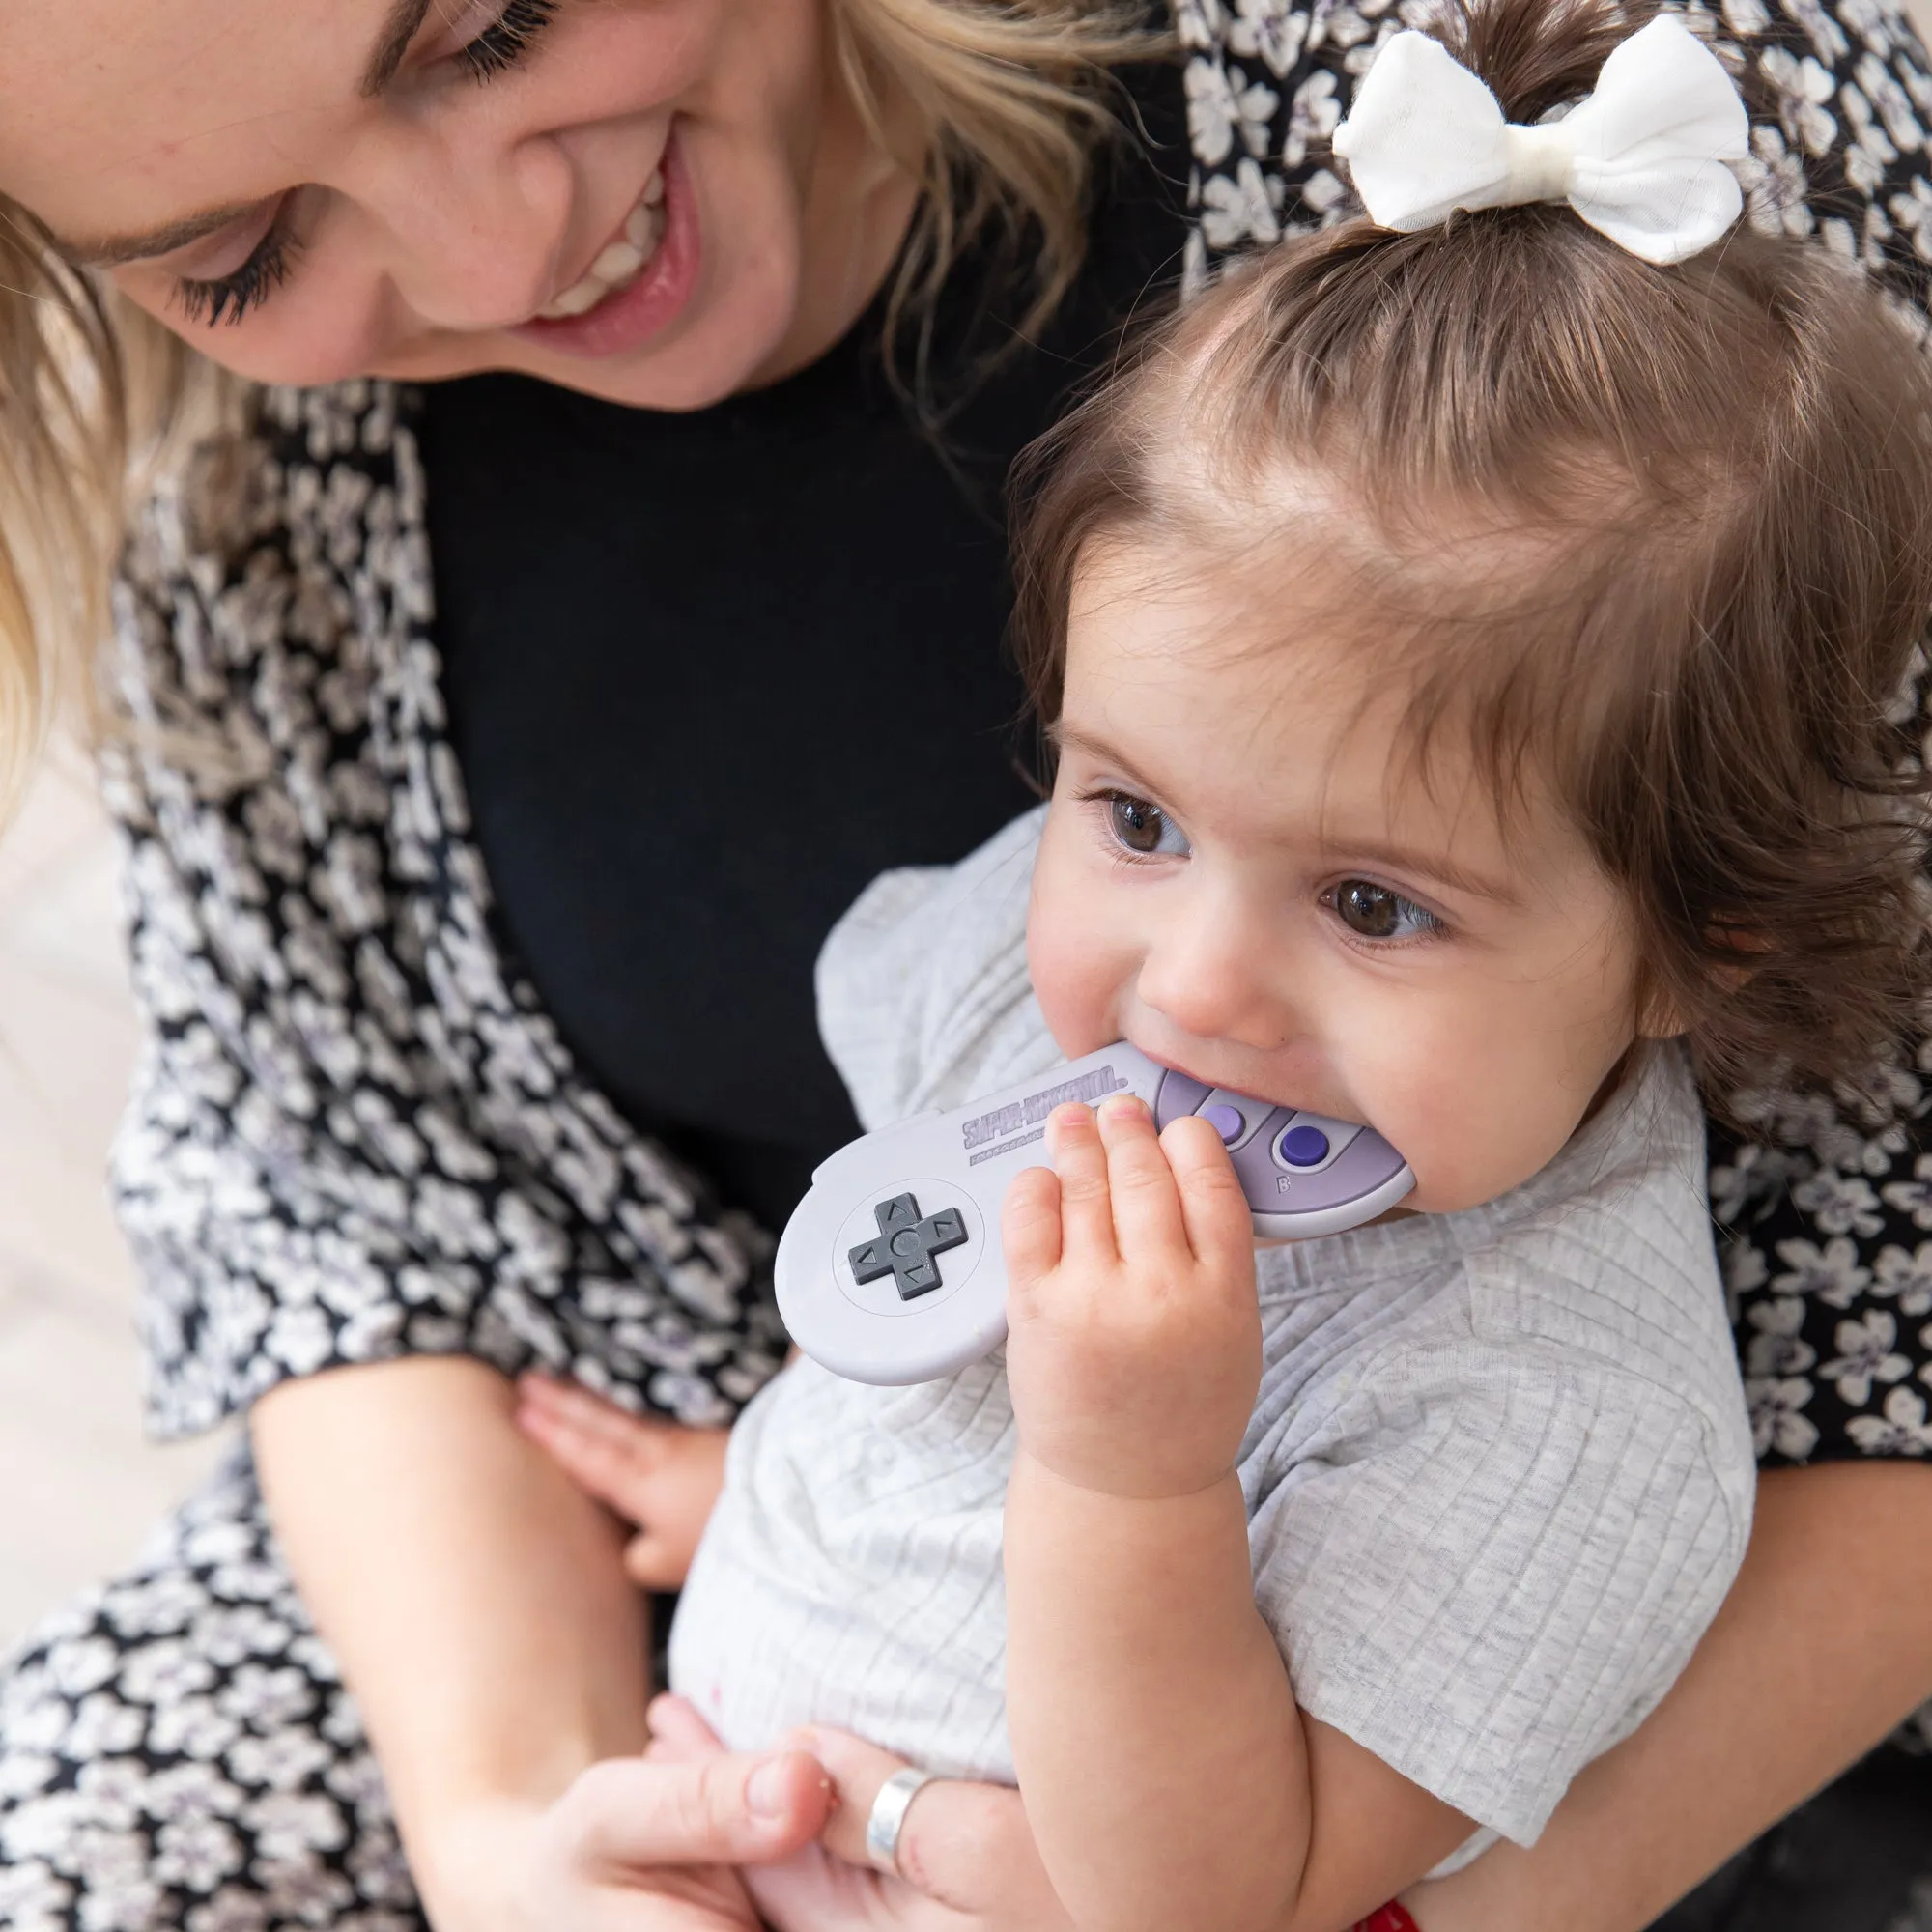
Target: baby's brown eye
1367,909
1376,913
1141,827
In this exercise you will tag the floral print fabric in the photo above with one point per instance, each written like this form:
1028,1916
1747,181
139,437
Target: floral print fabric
355,1134
358,1135
180,1754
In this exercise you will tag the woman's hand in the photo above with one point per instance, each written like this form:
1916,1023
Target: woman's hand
661,1476
1134,1349
965,1851
632,1845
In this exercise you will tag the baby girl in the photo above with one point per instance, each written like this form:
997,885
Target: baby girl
1465,643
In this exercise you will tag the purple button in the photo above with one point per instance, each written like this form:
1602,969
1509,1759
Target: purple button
1226,1121
1304,1147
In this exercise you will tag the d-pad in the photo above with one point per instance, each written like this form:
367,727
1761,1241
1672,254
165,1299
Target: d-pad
907,1248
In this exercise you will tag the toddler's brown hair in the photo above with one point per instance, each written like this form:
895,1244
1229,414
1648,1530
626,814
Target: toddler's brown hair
1656,540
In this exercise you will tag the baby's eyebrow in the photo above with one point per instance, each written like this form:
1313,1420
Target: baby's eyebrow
1436,866
1063,738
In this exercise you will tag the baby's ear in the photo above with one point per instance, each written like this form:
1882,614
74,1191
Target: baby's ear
1736,958
1660,1015
1740,955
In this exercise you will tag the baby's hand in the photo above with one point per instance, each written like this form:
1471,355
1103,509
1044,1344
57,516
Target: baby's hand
1135,1342
659,1475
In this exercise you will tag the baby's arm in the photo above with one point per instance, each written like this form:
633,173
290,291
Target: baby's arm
1168,1774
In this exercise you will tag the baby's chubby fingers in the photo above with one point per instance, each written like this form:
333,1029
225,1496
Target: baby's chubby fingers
1143,1200
1030,1227
1219,1225
1086,1198
603,1448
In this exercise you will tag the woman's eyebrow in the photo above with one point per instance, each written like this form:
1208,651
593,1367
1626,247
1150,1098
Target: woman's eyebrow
399,31
399,27
122,249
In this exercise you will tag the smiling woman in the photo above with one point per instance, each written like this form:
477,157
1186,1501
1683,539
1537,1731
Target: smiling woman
565,568
437,186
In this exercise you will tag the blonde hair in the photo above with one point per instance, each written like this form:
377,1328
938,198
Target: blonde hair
995,104
1007,103
62,444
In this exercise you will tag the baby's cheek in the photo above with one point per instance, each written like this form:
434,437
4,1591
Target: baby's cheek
1081,969
1078,985
1480,1162
1472,1123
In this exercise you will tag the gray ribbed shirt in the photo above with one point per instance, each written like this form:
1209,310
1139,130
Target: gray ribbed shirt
1498,1478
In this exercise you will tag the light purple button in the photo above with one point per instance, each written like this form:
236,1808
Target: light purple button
1226,1121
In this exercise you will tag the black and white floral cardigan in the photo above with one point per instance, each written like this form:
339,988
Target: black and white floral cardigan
358,1135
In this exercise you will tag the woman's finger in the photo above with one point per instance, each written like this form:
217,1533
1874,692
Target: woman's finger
1086,1211
817,1891
962,1844
1219,1224
859,1770
631,1813
1139,1183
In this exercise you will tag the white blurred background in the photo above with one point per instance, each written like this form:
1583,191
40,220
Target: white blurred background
79,1488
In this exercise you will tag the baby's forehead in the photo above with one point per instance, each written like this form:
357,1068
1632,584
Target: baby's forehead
1292,613
1276,722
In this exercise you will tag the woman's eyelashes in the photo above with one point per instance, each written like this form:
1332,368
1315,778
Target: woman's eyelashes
1379,914
1140,828
229,297
504,44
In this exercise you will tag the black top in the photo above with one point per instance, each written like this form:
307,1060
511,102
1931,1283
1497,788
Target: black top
762,664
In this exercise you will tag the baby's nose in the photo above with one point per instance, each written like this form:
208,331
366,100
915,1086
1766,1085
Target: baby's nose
1211,990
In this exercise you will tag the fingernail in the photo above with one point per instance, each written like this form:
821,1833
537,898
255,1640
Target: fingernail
765,1790
1124,1106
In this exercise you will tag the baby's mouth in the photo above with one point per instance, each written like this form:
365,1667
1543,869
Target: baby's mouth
621,262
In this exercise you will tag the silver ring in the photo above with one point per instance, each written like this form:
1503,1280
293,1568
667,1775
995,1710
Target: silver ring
888,1818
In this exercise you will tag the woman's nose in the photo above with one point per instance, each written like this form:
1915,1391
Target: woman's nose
476,233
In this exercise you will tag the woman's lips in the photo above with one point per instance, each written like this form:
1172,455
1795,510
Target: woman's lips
633,314
619,262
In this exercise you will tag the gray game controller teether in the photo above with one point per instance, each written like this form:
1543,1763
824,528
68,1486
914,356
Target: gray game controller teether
890,1272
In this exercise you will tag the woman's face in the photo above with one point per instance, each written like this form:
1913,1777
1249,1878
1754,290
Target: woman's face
656,201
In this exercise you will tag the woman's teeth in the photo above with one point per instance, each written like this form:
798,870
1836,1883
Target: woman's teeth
621,263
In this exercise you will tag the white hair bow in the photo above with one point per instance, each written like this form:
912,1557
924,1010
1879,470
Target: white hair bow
1643,160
